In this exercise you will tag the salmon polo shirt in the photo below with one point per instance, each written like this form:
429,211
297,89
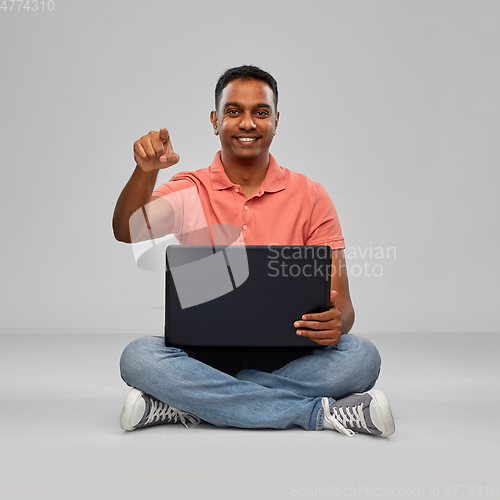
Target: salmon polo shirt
287,209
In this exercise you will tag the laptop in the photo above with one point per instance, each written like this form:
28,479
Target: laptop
243,296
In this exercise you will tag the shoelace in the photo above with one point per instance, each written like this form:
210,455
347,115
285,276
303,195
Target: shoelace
161,411
349,416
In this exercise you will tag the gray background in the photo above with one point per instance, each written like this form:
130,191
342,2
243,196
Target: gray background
393,106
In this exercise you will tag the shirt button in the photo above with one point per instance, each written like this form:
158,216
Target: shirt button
246,208
244,226
236,189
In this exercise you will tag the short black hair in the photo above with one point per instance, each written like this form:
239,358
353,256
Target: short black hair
245,73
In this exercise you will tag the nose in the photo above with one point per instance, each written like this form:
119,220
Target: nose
247,122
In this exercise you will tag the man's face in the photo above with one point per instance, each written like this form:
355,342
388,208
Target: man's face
246,120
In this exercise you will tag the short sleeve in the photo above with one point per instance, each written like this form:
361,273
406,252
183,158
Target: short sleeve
176,183
324,227
182,193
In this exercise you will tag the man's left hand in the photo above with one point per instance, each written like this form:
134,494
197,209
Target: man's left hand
325,328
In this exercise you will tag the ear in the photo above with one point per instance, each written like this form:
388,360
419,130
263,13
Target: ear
276,121
213,119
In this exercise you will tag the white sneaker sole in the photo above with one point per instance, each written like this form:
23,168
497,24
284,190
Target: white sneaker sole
133,397
380,412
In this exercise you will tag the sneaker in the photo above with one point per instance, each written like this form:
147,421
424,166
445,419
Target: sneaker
142,410
367,412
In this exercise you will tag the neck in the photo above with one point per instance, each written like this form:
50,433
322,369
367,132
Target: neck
251,172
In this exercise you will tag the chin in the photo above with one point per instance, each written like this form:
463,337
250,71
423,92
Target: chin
249,156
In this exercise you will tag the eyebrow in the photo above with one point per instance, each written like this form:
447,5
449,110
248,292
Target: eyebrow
238,105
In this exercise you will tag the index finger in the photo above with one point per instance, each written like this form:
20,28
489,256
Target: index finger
165,139
321,316
164,135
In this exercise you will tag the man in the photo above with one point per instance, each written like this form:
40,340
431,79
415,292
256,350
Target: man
328,387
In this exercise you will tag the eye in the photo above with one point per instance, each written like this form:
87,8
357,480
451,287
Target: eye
263,113
232,112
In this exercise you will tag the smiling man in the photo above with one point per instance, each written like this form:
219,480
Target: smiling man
326,387
246,123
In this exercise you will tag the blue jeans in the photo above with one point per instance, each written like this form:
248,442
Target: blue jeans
281,398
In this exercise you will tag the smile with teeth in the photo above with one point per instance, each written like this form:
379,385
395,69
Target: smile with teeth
246,139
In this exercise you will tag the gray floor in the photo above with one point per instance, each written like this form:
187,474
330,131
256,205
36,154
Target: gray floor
60,438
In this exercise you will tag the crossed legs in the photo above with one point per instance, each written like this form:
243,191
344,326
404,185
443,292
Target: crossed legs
287,397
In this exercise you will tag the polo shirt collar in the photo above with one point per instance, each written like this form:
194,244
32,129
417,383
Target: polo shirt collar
274,180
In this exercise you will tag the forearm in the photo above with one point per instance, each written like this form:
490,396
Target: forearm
347,312
136,194
340,283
